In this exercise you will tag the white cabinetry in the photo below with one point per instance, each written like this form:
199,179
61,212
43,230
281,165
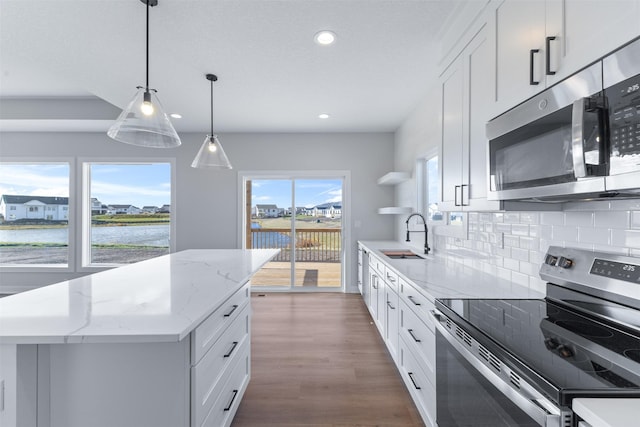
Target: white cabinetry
402,315
541,42
467,91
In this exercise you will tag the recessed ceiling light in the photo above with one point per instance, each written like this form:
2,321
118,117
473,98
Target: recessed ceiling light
323,116
176,115
325,37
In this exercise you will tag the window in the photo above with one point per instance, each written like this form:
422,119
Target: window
30,236
429,187
117,230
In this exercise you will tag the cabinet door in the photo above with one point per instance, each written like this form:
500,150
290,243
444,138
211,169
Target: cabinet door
520,26
480,67
373,296
382,304
392,322
586,30
452,86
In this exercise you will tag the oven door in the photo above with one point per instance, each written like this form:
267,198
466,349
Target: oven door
551,145
471,393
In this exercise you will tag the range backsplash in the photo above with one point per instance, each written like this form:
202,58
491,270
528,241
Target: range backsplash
511,244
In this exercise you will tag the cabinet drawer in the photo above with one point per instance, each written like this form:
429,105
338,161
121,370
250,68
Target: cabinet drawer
377,264
206,334
422,391
414,299
391,277
214,368
230,394
420,337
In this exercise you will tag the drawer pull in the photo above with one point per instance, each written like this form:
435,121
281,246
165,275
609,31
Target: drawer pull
413,336
413,301
413,381
390,278
390,306
228,408
233,347
232,310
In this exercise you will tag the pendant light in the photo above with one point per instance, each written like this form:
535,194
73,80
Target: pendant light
211,154
143,122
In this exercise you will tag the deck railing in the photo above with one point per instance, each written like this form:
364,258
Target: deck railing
315,244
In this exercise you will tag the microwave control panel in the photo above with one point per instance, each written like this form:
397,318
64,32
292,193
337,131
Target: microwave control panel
624,118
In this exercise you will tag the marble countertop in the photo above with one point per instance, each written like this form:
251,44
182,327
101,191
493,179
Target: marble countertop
158,300
439,278
607,412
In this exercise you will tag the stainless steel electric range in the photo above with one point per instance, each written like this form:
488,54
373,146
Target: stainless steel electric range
515,362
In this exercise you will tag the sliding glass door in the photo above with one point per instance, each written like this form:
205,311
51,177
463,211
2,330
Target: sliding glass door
302,217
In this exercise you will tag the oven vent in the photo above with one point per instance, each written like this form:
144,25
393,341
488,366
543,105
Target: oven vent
483,352
463,336
515,380
489,358
566,419
447,323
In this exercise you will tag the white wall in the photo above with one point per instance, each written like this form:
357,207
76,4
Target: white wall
207,200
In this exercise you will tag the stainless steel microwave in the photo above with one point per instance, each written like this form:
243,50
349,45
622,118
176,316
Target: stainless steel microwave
579,139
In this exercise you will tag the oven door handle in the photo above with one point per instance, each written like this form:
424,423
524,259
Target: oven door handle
539,409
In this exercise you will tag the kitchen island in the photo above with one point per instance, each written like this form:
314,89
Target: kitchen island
163,342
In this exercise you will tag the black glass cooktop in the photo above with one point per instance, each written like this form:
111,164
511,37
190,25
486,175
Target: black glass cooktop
572,352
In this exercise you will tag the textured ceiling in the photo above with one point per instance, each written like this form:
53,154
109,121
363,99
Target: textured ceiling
272,76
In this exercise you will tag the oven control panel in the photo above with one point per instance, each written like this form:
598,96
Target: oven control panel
616,270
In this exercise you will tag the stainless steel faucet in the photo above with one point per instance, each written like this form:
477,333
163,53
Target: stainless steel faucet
426,231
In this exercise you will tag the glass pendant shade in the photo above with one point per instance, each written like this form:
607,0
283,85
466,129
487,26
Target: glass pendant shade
211,155
145,123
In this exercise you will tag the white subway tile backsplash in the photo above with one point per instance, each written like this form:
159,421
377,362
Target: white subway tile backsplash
579,219
611,219
503,273
520,279
498,217
635,219
485,217
566,234
528,268
511,241
626,238
600,236
546,232
520,254
472,217
529,243
611,249
552,218
503,228
488,227
520,229
530,217
512,217
534,230
511,264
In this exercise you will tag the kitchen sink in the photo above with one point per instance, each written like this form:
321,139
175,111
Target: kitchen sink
400,254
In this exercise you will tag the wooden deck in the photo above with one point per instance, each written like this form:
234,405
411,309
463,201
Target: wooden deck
307,274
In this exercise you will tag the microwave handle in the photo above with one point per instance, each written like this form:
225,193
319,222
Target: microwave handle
577,138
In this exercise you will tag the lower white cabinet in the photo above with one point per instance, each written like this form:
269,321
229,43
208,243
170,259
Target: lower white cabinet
195,382
403,317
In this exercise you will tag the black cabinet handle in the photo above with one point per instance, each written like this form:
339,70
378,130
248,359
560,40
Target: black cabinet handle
413,336
462,203
228,408
413,381
455,195
532,53
413,301
233,347
548,55
232,310
390,306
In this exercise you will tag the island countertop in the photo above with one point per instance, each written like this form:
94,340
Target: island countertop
158,300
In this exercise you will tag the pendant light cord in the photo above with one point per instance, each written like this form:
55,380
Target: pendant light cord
212,109
147,86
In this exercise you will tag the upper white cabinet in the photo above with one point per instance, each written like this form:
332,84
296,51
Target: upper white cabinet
467,91
540,42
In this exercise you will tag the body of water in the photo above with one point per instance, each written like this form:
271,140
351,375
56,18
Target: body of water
144,235
270,239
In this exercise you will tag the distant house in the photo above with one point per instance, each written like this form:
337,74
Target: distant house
164,209
267,211
329,210
123,210
13,207
150,209
97,208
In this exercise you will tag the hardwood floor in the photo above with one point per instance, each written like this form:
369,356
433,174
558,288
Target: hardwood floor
317,360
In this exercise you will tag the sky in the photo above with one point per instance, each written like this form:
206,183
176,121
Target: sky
308,192
139,185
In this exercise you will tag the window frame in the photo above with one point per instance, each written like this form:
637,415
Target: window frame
84,166
71,221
